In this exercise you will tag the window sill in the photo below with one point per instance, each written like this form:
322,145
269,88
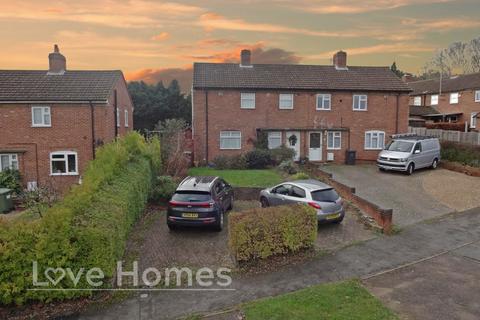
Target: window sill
285,109
323,109
360,109
372,149
63,174
230,148
41,126
334,149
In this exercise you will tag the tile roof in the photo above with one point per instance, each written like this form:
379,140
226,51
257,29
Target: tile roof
290,76
26,85
459,83
421,111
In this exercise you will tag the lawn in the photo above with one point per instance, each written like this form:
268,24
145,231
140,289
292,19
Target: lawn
241,178
344,300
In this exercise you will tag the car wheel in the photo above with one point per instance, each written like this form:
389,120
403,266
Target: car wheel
338,221
171,227
410,169
264,202
434,164
230,206
219,225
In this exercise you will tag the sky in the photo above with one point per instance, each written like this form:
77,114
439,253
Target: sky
159,40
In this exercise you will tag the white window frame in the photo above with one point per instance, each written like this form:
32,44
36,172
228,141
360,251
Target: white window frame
380,143
126,118
287,100
324,98
230,135
12,161
332,136
361,97
473,120
118,117
247,97
274,136
454,98
477,95
65,154
417,101
45,111
434,102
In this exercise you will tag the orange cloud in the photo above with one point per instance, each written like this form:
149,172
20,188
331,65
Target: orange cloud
161,36
441,24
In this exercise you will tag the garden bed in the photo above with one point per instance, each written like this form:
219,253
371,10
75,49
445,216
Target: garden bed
241,177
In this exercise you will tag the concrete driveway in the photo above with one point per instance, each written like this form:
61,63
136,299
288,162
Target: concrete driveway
424,195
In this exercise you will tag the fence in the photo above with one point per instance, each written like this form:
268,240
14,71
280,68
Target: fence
448,135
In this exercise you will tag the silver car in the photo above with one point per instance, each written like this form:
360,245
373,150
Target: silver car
311,192
409,152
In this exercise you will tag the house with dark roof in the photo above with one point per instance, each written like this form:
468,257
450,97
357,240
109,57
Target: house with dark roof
454,99
52,121
320,111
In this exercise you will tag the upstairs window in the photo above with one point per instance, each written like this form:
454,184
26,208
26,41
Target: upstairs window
63,163
454,98
417,101
434,99
285,101
274,140
360,102
477,96
41,117
324,101
230,140
126,118
374,140
247,100
8,161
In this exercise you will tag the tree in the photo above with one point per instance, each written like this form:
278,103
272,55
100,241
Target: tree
395,70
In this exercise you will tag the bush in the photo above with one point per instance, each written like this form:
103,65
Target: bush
87,229
163,189
288,166
462,153
237,162
258,159
458,126
11,179
221,162
262,232
301,176
281,154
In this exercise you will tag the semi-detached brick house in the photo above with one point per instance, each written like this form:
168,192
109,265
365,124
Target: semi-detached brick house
51,121
328,109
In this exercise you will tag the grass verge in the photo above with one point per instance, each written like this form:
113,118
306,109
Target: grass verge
241,178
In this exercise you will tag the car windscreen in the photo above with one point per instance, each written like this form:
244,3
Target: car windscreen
325,195
191,196
400,146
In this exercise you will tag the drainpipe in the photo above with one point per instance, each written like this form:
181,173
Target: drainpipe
92,118
206,126
115,112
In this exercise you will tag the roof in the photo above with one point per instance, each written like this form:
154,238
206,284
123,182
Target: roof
458,83
442,114
295,76
198,183
71,86
311,184
421,111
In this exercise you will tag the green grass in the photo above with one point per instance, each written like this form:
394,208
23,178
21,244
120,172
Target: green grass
338,301
241,178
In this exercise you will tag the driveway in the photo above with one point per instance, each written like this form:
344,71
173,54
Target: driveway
424,195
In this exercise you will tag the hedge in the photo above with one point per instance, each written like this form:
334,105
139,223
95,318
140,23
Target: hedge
263,232
462,153
87,229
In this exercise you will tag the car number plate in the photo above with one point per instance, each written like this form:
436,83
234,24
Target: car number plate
190,215
333,216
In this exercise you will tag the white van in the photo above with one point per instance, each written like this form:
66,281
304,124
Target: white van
408,152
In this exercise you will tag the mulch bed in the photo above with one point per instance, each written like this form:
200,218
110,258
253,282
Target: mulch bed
458,167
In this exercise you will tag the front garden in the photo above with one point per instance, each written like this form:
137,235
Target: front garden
241,177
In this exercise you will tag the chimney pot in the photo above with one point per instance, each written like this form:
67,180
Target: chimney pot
245,56
408,77
340,60
57,62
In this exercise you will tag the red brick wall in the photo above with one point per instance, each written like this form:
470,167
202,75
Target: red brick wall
224,113
70,131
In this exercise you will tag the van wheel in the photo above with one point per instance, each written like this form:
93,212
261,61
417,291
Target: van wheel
381,169
410,169
264,202
434,164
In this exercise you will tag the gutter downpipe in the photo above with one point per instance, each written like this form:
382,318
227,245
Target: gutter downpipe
115,112
206,126
92,118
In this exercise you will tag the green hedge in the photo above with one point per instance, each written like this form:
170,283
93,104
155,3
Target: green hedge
263,232
462,153
87,229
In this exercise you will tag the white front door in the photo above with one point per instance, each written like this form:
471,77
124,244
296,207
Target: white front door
315,146
293,142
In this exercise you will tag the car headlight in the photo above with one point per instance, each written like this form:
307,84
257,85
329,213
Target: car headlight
404,160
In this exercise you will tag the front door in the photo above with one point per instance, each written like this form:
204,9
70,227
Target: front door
315,146
293,142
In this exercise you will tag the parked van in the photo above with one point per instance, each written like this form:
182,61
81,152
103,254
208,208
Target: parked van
408,152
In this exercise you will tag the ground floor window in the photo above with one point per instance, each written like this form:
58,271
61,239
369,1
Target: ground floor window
64,163
230,140
473,120
374,140
334,140
274,140
8,161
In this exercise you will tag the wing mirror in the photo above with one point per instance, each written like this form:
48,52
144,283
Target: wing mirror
416,151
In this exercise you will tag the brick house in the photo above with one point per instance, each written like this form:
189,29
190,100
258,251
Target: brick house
51,121
319,111
455,99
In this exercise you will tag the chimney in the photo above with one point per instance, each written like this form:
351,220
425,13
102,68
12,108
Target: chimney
408,77
57,62
340,60
245,58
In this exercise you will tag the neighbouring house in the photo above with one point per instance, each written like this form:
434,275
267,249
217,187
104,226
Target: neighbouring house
455,100
318,110
51,121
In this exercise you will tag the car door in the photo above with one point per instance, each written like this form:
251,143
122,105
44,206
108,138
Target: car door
417,155
278,194
228,193
219,190
296,195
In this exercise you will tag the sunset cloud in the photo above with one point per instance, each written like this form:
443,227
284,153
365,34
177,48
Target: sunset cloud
161,36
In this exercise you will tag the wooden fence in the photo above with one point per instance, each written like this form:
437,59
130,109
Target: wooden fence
448,135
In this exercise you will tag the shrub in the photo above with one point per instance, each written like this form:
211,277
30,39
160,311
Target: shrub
446,126
221,162
163,188
262,232
288,166
10,179
462,153
301,176
281,154
237,162
258,159
262,140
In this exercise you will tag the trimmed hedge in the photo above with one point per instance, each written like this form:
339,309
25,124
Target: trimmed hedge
87,229
462,153
263,232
